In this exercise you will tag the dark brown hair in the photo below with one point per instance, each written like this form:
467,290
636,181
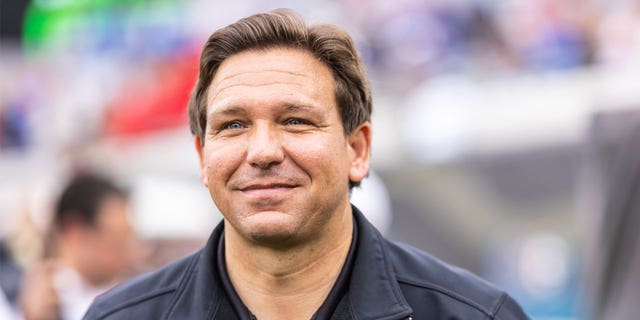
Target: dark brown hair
82,199
284,28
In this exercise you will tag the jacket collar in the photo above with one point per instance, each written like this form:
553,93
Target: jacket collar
199,293
373,291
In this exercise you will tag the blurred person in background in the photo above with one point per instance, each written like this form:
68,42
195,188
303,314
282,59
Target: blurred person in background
10,278
281,122
91,246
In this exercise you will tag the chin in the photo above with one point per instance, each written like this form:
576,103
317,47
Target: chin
278,241
274,232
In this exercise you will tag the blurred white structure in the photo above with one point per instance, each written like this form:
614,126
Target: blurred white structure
372,198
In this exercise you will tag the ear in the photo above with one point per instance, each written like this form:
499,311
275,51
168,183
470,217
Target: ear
199,148
360,152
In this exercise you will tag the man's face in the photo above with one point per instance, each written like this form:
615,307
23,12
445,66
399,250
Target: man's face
275,158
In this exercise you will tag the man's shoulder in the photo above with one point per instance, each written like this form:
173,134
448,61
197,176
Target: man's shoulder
425,275
147,293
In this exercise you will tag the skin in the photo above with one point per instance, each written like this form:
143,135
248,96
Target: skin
277,164
38,297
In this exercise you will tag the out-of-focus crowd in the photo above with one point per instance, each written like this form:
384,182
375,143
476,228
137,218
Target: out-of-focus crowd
91,70
96,59
89,245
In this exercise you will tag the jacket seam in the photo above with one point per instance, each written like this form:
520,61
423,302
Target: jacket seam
503,298
395,289
138,300
213,308
353,313
395,316
391,275
180,287
447,293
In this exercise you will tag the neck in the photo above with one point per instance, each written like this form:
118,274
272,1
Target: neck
68,254
288,283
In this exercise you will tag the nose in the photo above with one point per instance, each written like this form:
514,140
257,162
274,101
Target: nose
265,147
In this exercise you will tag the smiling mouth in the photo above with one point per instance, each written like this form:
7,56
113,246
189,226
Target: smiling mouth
258,187
265,191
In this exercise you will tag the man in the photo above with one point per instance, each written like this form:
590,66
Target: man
280,115
92,245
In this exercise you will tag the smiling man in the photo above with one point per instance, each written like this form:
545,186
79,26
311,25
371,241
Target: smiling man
280,116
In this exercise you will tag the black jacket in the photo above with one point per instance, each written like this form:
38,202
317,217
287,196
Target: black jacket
389,281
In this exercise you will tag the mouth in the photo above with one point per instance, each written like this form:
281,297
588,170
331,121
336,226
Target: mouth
270,186
270,191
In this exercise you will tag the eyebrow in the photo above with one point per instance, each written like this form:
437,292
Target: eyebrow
232,111
295,107
305,109
228,111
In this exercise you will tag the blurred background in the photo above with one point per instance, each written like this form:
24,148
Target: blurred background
495,125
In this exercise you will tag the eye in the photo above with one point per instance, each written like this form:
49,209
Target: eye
233,125
296,121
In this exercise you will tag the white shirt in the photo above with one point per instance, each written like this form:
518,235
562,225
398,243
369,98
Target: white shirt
6,312
74,294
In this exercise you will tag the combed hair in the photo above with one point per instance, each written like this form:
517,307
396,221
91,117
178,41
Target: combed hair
285,28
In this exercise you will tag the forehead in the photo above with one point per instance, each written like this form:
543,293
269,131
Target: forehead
275,69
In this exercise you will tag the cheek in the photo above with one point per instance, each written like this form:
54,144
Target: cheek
221,160
321,158
99,254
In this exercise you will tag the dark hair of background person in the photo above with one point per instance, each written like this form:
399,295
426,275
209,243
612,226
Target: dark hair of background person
82,198
284,28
